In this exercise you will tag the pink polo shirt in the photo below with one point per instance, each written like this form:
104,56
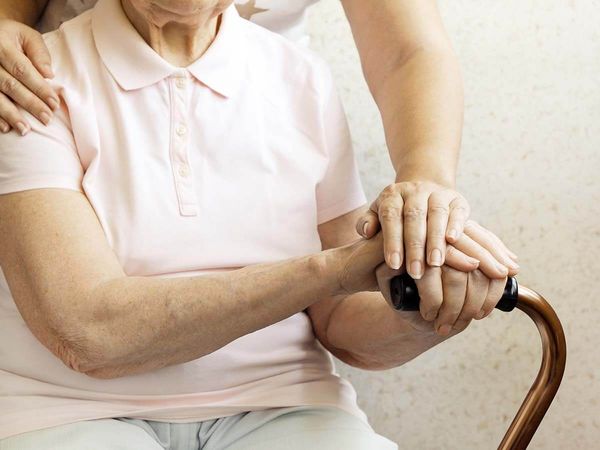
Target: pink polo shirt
231,161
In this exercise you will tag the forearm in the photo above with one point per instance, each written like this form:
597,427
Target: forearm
415,80
24,11
365,332
192,317
421,105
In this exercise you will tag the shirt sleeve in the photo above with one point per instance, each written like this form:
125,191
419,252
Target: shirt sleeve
340,190
46,157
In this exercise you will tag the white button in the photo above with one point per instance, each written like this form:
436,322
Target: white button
181,130
184,170
180,83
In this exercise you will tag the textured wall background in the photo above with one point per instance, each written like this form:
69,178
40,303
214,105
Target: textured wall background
530,168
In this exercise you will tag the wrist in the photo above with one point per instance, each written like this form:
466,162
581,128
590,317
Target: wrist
330,266
432,165
442,179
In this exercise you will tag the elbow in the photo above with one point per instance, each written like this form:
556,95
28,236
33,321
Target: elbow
81,351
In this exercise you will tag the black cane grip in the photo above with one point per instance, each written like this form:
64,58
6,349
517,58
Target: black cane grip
405,296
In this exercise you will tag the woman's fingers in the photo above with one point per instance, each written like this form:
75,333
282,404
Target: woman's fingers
485,238
438,213
487,263
459,213
11,84
4,126
35,49
496,239
415,231
368,224
11,115
454,285
494,294
389,208
431,292
459,261
477,290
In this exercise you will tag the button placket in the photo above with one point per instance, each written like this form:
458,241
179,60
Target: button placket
179,144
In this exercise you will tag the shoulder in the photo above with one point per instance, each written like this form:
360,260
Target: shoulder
278,58
71,46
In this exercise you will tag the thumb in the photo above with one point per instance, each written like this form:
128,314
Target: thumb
35,49
368,225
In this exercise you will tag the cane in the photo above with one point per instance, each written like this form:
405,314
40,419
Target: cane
405,297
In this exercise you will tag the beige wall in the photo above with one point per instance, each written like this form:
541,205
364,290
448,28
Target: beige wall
530,168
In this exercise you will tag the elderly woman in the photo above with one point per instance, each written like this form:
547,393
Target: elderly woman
411,71
177,242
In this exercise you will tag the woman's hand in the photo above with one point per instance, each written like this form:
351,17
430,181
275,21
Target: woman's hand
450,298
419,217
355,264
24,62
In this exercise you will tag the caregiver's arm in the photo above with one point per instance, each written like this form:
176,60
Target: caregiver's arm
24,62
73,294
415,79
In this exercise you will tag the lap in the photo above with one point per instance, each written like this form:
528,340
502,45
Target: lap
100,434
299,428
293,428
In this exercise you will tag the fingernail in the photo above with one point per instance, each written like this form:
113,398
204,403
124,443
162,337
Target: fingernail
415,269
444,330
480,315
513,265
53,103
4,127
45,118
395,260
453,234
22,128
435,259
364,228
474,261
512,255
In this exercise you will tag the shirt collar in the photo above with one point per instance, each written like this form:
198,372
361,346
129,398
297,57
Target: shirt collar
134,64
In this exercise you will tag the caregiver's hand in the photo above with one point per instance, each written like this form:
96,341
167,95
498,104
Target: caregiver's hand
450,298
24,62
419,217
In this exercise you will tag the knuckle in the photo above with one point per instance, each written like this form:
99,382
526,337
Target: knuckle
435,236
460,209
8,85
389,211
414,213
390,190
451,274
415,245
19,70
478,277
469,227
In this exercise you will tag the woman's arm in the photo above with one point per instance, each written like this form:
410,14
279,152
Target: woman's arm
73,294
415,79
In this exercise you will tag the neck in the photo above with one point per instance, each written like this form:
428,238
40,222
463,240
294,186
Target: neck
178,40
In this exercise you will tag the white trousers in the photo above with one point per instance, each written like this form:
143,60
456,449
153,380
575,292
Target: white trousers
293,428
